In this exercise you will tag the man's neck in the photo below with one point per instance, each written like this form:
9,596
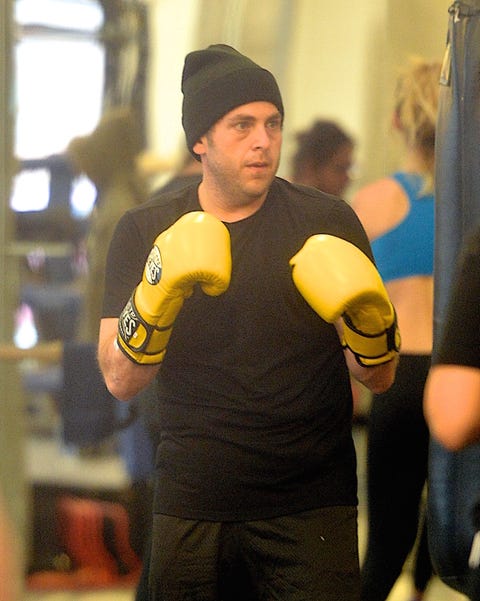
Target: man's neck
214,202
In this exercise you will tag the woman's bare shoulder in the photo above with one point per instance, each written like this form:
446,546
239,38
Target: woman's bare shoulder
380,205
376,191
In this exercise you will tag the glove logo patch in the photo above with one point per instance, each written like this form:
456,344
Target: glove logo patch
128,322
153,267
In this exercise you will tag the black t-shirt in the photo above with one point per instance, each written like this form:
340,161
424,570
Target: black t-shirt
459,342
254,394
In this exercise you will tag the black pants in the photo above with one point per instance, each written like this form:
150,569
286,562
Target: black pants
397,462
310,556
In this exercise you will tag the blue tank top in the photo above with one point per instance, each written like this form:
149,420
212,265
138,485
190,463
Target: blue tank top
407,249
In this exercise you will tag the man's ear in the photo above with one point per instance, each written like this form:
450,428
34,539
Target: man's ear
200,147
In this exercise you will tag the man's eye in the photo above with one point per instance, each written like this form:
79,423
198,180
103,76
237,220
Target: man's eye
241,125
275,124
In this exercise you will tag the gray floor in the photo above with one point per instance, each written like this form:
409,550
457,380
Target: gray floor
437,591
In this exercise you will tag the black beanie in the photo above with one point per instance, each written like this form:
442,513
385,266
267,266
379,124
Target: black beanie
215,81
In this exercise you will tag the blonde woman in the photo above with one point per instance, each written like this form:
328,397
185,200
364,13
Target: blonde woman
398,215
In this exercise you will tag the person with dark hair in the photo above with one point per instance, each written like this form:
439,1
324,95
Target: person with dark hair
258,298
323,158
397,212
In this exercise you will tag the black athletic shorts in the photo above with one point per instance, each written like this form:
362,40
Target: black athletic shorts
309,556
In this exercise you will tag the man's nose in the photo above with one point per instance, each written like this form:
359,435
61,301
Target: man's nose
261,138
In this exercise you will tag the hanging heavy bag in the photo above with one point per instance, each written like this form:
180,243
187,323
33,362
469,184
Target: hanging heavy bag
454,477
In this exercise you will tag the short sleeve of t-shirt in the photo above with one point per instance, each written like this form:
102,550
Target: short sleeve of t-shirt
459,342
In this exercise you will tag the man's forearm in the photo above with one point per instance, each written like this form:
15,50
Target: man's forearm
377,379
123,378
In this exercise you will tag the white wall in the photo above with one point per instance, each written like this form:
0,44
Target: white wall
344,61
332,59
332,73
172,36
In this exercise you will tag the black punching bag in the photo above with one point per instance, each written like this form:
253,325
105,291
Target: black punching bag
454,477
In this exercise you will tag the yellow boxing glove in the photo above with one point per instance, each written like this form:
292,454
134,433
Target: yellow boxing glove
339,280
195,249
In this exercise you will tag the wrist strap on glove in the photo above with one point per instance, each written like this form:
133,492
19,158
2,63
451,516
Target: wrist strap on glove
371,349
141,342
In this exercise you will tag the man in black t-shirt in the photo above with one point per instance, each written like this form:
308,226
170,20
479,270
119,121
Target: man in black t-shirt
452,393
452,411
257,299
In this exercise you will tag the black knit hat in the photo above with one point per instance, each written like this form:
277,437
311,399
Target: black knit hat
215,81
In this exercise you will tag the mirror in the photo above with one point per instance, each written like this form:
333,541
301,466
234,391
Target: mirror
332,61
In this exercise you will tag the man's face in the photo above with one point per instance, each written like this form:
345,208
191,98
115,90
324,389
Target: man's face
241,152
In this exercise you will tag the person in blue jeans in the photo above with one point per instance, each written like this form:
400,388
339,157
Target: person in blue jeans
452,391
